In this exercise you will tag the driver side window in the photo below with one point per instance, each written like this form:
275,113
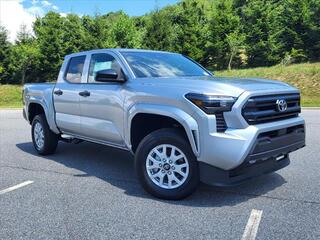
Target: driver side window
102,61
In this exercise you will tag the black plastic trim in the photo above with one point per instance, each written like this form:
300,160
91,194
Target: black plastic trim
219,177
221,124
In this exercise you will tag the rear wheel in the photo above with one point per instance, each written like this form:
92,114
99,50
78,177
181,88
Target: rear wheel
166,165
44,140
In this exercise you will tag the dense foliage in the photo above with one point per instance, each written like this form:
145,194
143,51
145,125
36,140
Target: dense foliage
219,34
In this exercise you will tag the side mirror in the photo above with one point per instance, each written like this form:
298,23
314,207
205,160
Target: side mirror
108,75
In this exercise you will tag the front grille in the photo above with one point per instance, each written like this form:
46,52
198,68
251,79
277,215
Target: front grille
220,122
263,109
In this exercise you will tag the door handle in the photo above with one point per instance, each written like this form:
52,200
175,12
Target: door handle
58,92
84,93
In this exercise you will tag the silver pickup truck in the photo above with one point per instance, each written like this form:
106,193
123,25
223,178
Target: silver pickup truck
182,124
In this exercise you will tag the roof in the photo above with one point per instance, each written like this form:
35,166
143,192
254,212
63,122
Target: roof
116,50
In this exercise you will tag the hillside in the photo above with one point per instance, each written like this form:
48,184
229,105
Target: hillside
10,96
305,76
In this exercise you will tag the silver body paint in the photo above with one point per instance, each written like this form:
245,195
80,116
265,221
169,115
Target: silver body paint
105,117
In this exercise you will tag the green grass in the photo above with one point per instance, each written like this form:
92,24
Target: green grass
10,96
305,76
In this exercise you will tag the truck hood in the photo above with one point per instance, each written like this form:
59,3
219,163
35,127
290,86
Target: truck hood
219,85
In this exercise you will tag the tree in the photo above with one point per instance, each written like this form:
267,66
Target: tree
191,24
24,35
5,51
313,42
219,34
223,22
24,56
300,28
95,31
123,32
49,33
235,41
261,23
160,34
73,34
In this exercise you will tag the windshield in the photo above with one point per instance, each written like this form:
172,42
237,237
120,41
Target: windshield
161,64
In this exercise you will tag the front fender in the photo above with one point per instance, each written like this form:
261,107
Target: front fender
189,123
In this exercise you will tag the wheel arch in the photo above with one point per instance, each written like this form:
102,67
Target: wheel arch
35,107
168,114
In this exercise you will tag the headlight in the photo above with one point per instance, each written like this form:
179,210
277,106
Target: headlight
211,104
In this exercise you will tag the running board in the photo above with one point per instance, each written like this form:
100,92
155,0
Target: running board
70,139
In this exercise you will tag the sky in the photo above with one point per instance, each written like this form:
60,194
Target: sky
14,13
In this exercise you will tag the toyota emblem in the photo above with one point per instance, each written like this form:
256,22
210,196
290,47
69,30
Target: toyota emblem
281,105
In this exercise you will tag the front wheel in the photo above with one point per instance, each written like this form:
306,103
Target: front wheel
166,165
44,140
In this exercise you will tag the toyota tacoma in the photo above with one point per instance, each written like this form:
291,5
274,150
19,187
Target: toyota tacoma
183,124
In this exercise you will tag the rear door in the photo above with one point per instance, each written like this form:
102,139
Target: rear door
66,95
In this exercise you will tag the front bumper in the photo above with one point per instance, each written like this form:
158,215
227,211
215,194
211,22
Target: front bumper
228,150
269,153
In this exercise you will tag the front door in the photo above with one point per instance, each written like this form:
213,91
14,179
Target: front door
102,104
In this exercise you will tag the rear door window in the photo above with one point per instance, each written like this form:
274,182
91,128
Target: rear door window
75,69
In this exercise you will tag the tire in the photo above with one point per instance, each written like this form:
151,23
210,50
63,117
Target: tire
46,141
176,181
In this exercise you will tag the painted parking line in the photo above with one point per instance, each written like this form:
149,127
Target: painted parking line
251,229
20,185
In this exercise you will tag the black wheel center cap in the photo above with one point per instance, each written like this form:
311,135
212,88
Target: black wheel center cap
166,166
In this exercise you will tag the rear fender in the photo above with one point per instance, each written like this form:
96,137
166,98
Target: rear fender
45,101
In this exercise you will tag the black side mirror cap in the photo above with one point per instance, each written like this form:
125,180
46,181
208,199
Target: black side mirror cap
108,75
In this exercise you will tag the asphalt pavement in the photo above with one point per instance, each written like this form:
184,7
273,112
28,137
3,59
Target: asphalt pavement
89,191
